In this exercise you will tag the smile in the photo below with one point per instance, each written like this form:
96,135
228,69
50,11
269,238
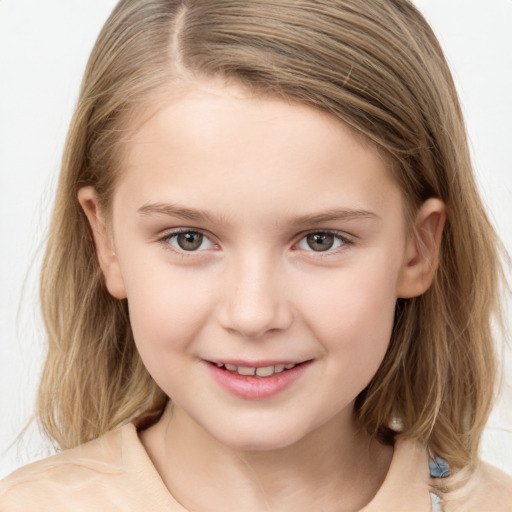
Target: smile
256,382
261,371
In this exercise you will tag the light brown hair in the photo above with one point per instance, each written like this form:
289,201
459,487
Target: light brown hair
374,65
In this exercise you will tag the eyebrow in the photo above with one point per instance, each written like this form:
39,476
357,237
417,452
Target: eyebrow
174,210
335,214
330,215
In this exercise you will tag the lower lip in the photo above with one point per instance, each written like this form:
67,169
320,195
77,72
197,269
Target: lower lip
256,388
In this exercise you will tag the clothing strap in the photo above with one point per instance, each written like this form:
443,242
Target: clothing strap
439,468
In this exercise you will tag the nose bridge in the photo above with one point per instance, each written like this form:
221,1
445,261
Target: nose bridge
255,299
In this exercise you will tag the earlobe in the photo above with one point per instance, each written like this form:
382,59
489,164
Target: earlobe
422,250
105,250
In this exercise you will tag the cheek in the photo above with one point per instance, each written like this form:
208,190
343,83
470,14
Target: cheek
352,316
167,309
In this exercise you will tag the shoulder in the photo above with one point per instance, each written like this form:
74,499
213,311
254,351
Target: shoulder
49,481
487,490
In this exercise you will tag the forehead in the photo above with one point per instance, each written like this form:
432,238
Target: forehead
213,144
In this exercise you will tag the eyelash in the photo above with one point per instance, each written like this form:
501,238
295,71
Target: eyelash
345,242
167,238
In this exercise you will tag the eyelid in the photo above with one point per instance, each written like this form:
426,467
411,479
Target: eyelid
346,240
166,236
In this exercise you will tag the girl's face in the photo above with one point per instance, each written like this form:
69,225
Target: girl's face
250,235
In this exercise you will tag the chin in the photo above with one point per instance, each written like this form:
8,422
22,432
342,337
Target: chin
258,437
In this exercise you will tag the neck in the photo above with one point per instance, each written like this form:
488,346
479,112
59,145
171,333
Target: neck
335,468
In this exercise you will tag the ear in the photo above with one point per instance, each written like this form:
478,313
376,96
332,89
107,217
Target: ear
422,250
105,249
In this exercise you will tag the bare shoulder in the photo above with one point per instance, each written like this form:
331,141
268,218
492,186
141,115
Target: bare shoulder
488,490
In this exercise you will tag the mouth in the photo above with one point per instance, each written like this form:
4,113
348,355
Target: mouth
256,381
257,371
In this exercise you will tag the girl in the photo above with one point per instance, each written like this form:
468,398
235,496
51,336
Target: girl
269,280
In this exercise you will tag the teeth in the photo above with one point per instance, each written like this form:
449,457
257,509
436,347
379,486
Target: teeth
266,371
245,370
263,371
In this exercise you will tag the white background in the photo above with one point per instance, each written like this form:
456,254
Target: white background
43,50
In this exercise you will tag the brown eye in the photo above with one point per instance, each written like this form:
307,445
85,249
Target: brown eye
182,241
189,241
320,241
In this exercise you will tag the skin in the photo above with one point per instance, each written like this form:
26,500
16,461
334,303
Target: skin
255,176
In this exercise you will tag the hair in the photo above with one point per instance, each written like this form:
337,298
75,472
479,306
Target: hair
375,66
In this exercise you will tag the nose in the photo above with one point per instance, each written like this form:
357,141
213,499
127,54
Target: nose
255,300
